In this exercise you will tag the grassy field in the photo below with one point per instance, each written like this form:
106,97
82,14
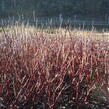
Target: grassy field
53,68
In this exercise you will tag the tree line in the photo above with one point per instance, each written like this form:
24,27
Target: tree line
93,8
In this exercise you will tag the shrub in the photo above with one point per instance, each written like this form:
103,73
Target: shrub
42,71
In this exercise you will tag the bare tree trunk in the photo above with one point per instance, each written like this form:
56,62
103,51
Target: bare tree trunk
14,3
3,6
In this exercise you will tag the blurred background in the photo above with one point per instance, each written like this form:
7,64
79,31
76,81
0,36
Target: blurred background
88,12
42,8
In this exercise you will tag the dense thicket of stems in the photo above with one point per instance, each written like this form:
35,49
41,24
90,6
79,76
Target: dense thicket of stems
40,68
